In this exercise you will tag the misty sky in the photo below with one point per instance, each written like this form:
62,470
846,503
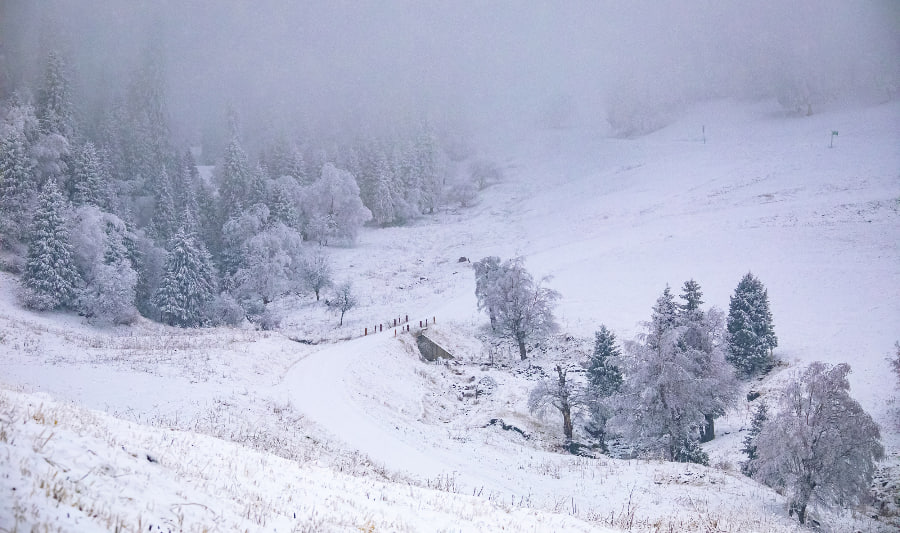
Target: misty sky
278,63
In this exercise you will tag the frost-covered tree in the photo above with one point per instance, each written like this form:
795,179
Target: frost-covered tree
895,367
675,382
523,308
50,279
236,232
560,393
165,221
271,265
54,105
284,196
344,299
486,272
101,252
236,176
109,298
604,380
283,158
760,417
483,173
603,374
188,284
86,183
17,188
186,186
316,272
663,318
820,446
895,363
428,167
333,208
689,309
751,334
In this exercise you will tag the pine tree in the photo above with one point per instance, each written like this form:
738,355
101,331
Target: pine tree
54,99
50,280
603,374
663,318
691,294
165,219
751,335
604,380
188,284
675,384
86,184
760,416
186,186
17,188
235,180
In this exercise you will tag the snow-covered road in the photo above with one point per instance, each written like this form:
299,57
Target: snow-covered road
319,386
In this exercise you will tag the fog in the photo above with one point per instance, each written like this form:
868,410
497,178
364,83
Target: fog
345,65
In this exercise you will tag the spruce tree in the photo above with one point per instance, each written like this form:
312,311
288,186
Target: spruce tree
689,310
50,280
54,99
663,318
17,188
751,335
603,374
86,184
236,174
604,380
760,416
165,219
188,284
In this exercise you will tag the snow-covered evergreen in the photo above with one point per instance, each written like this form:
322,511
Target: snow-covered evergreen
751,334
17,188
86,184
188,283
50,279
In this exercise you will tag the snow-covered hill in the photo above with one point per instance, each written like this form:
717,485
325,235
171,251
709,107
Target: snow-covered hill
365,431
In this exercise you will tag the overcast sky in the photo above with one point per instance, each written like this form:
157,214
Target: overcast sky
328,60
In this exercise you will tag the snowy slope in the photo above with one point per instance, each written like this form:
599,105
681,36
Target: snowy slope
613,220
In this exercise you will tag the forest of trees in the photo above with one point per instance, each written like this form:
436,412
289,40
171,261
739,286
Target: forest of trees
107,213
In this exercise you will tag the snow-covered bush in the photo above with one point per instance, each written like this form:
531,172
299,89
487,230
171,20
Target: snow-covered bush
484,172
224,310
109,298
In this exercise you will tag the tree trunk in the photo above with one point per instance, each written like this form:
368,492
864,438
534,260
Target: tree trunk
342,318
709,430
567,422
317,296
522,349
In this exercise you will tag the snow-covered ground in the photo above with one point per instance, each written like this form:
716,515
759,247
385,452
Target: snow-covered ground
353,432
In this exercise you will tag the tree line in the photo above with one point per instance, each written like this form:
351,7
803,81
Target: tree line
101,213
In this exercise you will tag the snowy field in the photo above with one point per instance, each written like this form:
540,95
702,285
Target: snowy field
315,427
